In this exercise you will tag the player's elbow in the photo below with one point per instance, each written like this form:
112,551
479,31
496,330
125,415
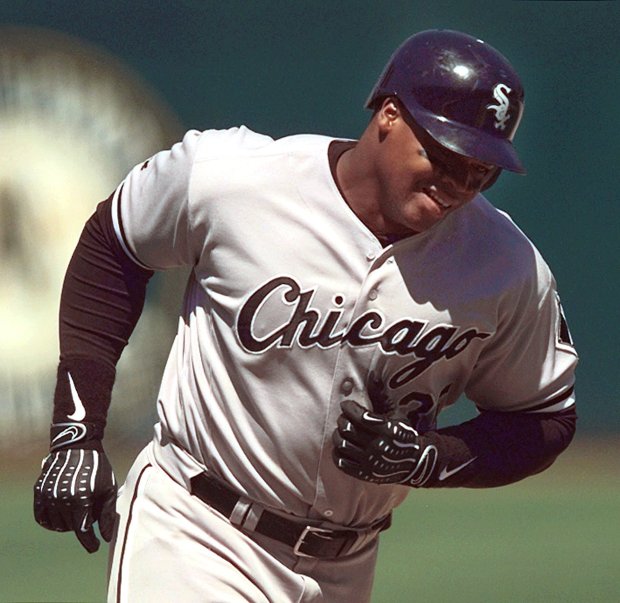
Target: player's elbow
558,431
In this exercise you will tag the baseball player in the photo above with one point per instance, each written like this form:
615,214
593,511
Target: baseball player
342,293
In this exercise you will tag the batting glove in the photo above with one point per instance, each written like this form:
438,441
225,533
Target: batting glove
76,488
377,449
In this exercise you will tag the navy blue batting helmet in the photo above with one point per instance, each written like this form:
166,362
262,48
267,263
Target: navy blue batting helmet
463,92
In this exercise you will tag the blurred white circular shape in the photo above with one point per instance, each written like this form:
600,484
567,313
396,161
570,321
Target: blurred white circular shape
73,121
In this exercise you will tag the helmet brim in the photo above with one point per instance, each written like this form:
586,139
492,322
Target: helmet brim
470,142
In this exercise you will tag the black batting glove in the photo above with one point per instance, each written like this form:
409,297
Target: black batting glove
76,487
381,450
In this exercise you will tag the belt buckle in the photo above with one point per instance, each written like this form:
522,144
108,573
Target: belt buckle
320,533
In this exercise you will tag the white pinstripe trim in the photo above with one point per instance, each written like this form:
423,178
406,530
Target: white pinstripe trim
562,405
119,231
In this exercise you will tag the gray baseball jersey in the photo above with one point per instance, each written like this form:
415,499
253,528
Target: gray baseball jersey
293,305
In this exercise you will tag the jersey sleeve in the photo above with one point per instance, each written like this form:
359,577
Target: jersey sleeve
530,363
150,208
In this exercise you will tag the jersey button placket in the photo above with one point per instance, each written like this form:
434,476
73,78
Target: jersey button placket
371,256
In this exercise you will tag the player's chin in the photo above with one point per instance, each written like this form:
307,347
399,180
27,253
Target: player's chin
425,216
425,225
430,211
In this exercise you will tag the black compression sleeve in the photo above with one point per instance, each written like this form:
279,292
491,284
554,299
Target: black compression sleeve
102,298
103,293
496,449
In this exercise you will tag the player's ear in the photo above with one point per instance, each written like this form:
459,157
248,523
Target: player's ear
388,113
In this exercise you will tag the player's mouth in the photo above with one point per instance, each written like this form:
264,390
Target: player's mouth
441,201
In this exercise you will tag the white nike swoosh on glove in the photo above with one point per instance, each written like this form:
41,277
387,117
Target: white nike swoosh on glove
73,432
446,473
80,411
371,419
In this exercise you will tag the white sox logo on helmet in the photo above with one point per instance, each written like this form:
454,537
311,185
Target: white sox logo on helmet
306,327
502,116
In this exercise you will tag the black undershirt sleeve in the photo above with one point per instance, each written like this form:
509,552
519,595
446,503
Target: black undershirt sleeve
499,448
102,298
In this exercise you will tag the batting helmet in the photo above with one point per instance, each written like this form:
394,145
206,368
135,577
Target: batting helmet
463,92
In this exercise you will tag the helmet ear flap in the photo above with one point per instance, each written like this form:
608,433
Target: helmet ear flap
492,180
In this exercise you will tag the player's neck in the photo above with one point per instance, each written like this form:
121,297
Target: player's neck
355,180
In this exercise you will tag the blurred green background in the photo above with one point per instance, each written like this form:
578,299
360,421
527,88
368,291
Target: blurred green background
289,67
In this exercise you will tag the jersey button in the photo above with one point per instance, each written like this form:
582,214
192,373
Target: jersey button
328,512
373,294
371,255
347,386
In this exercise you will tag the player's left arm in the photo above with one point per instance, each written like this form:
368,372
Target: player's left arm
493,449
523,385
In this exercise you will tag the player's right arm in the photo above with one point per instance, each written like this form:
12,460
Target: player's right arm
102,299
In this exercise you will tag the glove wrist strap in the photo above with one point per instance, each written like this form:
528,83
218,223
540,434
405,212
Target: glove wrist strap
74,434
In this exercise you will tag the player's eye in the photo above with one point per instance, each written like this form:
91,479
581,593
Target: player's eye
482,169
458,166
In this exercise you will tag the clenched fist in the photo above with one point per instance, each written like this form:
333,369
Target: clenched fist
76,488
381,450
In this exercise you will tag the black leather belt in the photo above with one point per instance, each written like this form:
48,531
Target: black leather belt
306,540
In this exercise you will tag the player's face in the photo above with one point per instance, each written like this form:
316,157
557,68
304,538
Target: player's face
421,181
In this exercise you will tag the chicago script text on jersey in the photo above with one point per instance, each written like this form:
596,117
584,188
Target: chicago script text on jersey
305,326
